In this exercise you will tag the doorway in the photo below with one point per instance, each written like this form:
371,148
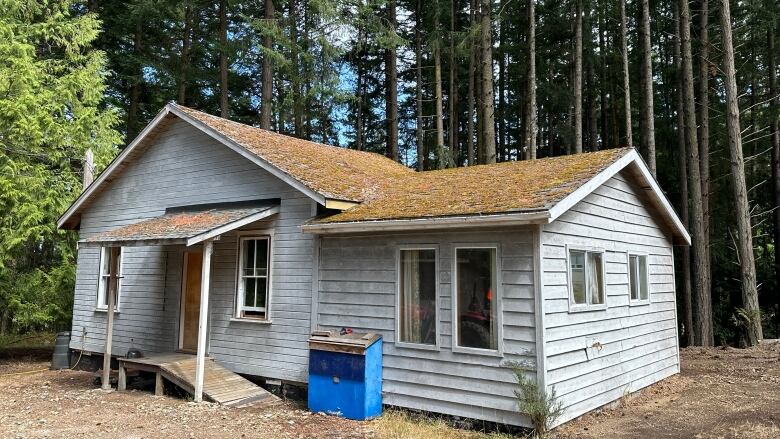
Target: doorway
190,301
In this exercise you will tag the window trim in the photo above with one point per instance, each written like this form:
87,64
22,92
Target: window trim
99,307
580,307
499,351
409,345
640,301
240,238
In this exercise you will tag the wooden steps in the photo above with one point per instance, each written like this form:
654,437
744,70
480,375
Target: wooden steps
219,384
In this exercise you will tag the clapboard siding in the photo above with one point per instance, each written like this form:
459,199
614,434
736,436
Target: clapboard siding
357,288
183,167
638,343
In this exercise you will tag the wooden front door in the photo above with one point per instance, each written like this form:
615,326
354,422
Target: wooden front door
190,301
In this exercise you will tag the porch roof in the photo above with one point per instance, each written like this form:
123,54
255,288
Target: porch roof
186,225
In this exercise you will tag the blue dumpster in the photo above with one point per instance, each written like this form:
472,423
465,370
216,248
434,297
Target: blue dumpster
345,374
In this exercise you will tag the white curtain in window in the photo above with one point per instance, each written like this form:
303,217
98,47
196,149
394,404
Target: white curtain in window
411,330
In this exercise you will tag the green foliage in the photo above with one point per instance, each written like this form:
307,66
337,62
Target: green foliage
51,94
542,408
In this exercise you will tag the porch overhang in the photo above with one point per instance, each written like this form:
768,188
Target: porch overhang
186,225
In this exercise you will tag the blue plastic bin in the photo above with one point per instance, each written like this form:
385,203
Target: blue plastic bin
345,374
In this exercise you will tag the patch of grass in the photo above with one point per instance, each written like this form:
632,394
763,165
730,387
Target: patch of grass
32,340
397,424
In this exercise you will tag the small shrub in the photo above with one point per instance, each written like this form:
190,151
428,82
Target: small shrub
542,408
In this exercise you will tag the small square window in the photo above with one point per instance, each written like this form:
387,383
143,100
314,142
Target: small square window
638,277
586,274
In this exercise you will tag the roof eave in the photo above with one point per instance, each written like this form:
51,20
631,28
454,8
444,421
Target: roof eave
446,222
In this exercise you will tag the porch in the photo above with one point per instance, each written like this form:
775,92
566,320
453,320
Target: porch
193,229
219,384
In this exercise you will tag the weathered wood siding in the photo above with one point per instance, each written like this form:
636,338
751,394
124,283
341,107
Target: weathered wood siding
186,167
357,288
639,342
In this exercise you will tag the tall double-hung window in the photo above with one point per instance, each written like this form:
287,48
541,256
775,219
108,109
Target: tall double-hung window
417,313
254,277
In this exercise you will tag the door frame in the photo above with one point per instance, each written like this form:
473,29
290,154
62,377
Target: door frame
182,301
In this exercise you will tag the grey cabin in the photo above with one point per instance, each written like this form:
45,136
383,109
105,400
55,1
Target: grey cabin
564,265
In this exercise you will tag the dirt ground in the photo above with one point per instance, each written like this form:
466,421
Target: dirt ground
721,393
724,393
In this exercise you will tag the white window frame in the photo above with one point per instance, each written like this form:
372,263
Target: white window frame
103,282
239,296
499,351
575,307
639,301
437,345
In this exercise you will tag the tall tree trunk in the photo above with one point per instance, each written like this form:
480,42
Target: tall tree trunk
453,93
626,82
441,152
488,98
184,64
295,77
391,70
578,79
775,135
704,133
470,95
745,233
135,88
590,77
223,60
603,51
703,301
267,72
682,163
531,125
418,88
647,114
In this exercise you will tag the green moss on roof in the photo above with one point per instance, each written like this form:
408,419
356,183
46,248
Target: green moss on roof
333,172
483,189
388,190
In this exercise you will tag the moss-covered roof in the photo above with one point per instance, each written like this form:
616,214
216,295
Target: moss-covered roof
338,173
483,189
388,190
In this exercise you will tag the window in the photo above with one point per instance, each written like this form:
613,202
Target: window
103,281
637,277
254,277
476,308
417,296
586,274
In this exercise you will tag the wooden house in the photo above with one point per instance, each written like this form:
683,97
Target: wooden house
563,265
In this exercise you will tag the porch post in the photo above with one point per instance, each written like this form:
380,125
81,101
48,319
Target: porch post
208,249
113,275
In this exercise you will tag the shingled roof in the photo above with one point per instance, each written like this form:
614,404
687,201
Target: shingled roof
370,188
337,173
484,189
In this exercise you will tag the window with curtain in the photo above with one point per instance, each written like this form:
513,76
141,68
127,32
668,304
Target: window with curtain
476,302
417,296
637,276
586,270
254,277
103,282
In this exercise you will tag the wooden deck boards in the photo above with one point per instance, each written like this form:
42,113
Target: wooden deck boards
220,385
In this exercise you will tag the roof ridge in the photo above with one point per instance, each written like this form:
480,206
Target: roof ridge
347,151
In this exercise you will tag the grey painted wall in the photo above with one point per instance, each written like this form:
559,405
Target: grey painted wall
639,342
184,167
357,288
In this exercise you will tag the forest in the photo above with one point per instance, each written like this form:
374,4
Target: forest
442,83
